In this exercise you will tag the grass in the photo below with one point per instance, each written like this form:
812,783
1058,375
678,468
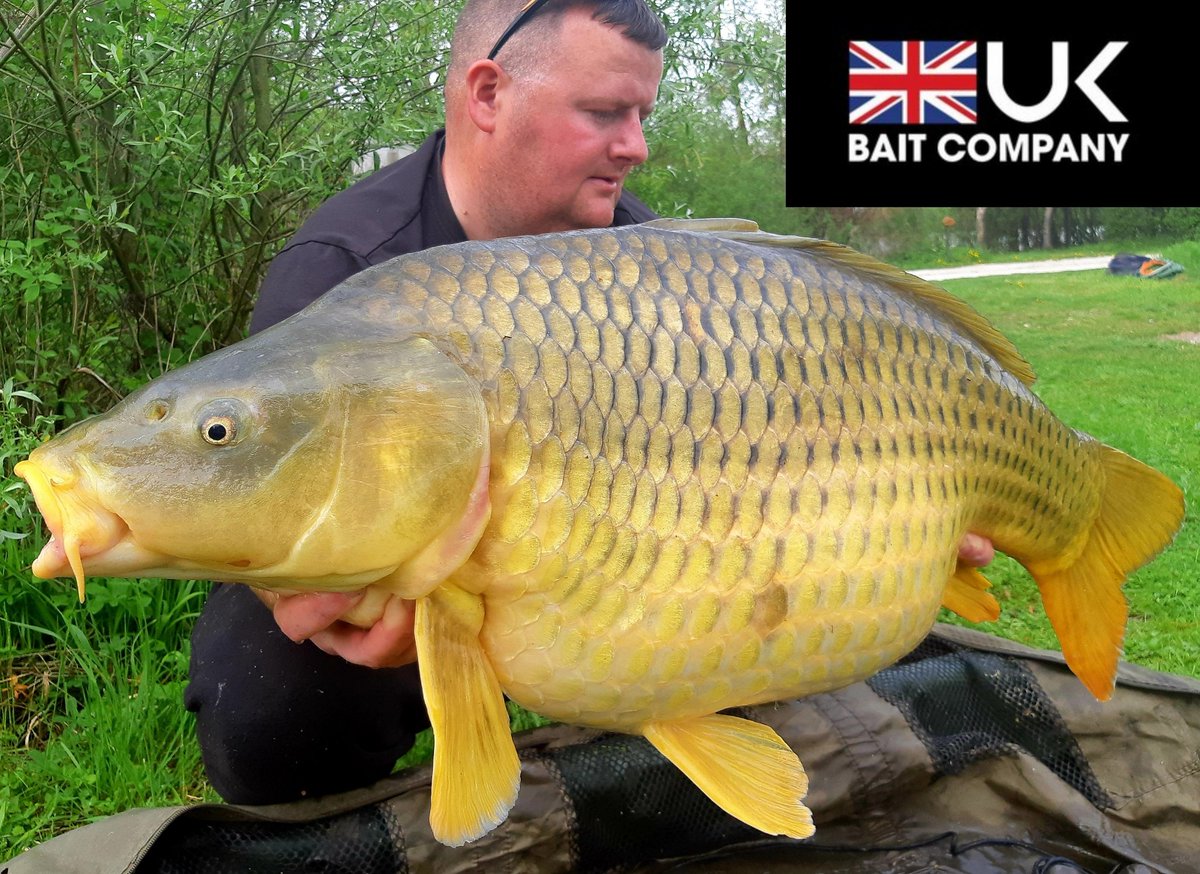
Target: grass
91,718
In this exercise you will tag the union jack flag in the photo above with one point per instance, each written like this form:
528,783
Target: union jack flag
913,82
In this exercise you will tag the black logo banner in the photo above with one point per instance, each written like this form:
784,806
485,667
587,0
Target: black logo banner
946,108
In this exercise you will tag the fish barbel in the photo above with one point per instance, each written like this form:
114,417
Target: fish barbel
632,477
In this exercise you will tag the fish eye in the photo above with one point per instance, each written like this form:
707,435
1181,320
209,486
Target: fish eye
223,422
218,430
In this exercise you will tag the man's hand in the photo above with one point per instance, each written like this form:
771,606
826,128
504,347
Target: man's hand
315,616
976,550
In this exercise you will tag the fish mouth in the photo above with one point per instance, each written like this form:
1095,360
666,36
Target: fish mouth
79,526
88,539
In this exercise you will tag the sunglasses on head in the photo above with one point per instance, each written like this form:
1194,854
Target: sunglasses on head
527,12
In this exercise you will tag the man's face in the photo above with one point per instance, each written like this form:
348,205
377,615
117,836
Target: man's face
568,135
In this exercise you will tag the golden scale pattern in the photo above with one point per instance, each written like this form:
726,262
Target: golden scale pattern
723,474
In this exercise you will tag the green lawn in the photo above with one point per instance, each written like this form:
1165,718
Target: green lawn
91,720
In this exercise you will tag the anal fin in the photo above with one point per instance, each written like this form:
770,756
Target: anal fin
743,766
476,772
967,595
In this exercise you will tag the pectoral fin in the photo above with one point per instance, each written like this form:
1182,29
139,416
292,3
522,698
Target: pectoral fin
967,595
476,772
743,766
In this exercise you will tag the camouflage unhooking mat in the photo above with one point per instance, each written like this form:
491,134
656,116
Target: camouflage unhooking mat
972,755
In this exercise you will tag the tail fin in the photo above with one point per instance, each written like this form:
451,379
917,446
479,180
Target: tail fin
1140,511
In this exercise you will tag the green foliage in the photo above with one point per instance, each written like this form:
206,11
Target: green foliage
1174,222
935,236
717,143
22,425
156,155
159,153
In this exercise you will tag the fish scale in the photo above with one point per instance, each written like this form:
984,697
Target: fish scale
631,477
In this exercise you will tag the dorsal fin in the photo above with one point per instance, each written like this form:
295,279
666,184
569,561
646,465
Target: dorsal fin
960,313
706,225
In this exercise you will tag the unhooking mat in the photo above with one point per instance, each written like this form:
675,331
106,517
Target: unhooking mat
973,754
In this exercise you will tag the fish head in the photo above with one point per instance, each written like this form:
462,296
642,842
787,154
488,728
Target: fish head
288,461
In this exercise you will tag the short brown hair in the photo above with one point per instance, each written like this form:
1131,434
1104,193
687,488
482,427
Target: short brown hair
481,22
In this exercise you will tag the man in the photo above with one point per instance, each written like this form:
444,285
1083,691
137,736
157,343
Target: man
544,111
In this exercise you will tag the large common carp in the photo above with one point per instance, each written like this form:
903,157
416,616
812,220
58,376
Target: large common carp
632,477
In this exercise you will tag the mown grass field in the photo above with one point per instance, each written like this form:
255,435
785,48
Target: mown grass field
91,719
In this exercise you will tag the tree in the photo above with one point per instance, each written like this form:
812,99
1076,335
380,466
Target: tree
159,153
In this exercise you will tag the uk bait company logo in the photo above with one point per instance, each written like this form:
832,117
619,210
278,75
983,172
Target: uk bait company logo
937,82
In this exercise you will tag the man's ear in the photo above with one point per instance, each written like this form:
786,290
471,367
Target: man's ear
486,81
